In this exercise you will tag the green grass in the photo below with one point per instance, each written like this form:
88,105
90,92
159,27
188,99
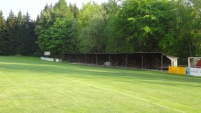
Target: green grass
29,85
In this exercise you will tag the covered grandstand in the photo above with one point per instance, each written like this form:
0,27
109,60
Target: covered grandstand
141,60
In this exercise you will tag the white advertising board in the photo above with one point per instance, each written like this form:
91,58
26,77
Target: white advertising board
47,53
194,71
47,59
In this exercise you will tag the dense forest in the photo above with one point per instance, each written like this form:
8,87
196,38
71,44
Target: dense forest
118,26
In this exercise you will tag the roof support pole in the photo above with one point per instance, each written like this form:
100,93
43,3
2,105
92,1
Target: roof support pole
189,62
62,56
78,58
126,60
85,59
110,60
161,62
96,59
68,59
142,61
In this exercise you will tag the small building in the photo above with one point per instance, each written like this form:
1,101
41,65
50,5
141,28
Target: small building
141,60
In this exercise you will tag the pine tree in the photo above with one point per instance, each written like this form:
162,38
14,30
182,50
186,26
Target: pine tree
10,34
63,9
19,32
29,37
74,9
2,34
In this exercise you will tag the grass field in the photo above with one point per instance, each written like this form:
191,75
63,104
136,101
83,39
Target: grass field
29,85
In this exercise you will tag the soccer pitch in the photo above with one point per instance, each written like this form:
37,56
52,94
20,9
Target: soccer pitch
29,85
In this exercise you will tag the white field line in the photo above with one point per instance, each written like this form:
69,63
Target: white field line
141,99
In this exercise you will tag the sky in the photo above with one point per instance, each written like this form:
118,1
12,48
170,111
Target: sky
34,7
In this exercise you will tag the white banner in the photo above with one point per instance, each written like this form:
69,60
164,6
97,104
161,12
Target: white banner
47,53
47,59
194,71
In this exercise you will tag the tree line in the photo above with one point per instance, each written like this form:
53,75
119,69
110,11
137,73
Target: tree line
117,26
17,36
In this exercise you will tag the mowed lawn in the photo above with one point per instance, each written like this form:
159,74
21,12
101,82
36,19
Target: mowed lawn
29,85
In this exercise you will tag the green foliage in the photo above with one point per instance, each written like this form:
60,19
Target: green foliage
25,35
91,25
58,37
63,9
92,37
2,34
55,30
187,30
75,10
116,26
111,34
88,12
165,26
17,36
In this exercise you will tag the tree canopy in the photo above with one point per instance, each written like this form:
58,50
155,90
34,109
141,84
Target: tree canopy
116,26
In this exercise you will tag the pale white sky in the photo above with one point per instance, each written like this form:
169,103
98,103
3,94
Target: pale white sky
34,7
